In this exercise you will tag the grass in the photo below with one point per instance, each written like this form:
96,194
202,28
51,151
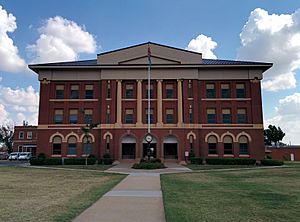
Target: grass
241,195
213,167
29,194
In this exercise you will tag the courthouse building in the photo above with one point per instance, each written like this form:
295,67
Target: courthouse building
209,106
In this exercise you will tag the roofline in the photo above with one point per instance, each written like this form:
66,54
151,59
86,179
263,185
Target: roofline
129,47
265,66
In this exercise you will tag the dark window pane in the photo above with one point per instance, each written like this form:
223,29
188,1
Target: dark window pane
212,148
88,118
240,93
170,118
226,118
169,93
129,94
210,93
151,94
129,118
228,148
87,148
74,94
73,118
225,93
56,149
59,94
89,94
244,148
211,118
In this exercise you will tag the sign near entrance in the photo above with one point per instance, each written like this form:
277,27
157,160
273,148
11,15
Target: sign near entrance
186,153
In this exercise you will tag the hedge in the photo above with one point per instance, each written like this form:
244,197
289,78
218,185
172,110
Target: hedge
230,161
148,166
196,160
269,162
58,161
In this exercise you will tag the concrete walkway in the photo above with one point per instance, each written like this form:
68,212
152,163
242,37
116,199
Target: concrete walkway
136,198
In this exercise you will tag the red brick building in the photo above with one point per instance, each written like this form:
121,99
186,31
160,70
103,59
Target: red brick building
25,139
212,107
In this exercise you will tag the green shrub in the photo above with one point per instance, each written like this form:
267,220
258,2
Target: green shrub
152,160
148,166
196,160
268,162
106,159
79,161
42,156
36,161
53,161
230,161
192,154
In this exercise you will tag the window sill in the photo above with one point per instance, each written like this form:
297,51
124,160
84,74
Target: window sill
213,155
244,155
228,155
56,155
71,155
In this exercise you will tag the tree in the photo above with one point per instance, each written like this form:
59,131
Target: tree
273,134
86,131
6,136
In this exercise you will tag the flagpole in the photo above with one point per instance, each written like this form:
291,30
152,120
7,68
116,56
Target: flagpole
149,76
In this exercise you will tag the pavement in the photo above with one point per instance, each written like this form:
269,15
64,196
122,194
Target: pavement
6,163
136,198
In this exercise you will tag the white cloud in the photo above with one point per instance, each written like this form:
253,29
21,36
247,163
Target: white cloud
273,38
203,44
23,102
10,59
61,40
288,118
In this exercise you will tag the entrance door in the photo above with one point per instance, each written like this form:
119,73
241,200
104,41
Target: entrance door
170,151
128,150
145,149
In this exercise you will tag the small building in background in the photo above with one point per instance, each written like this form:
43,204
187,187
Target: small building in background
25,139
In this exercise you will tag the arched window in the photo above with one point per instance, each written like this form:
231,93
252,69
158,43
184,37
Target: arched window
87,145
72,145
212,145
191,139
243,141
56,145
228,145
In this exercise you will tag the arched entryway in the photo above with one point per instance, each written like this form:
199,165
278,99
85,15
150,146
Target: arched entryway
170,147
153,145
128,146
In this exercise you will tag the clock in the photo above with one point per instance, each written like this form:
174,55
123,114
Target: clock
148,138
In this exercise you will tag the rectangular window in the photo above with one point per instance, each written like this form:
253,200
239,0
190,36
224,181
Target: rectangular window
129,91
56,149
211,115
241,116
20,148
29,135
226,114
129,116
88,116
21,135
108,90
244,148
151,115
190,114
89,91
73,118
72,149
225,91
210,91
151,91
240,91
58,116
190,89
74,94
59,91
212,148
169,91
170,116
228,148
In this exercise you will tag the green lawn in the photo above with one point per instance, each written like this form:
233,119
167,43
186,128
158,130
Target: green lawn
240,195
29,194
214,167
99,167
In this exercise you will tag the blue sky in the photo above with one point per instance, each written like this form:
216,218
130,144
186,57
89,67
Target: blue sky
115,24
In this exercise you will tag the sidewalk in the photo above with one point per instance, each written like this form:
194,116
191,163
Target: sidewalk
136,198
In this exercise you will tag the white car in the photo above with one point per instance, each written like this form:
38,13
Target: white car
24,156
13,156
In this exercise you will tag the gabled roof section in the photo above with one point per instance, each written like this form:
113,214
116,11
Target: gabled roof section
138,54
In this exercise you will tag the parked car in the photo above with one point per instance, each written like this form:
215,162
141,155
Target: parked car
24,156
13,156
4,155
